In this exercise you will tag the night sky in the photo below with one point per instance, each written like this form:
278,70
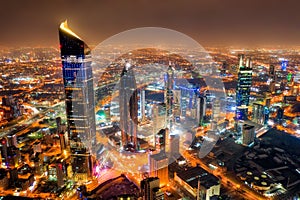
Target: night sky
35,22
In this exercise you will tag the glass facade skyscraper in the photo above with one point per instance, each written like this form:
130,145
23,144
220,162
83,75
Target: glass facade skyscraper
169,97
243,88
79,91
128,102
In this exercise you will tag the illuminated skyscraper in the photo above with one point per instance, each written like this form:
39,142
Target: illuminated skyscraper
169,86
243,88
79,94
128,101
284,64
78,83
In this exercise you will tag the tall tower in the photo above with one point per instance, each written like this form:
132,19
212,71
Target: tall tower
128,108
272,72
169,86
243,88
201,109
79,91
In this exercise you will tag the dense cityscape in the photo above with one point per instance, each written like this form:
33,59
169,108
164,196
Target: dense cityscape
149,122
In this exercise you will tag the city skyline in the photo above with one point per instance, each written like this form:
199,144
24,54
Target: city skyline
149,113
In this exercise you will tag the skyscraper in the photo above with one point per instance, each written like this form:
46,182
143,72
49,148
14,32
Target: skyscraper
128,102
284,64
257,113
79,91
169,97
272,72
174,145
79,94
160,140
243,88
201,109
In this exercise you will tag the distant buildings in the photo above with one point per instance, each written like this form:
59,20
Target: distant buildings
10,109
243,88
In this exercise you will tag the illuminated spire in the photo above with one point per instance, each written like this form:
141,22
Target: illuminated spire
64,27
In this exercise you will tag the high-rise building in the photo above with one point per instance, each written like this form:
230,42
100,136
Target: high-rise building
243,89
257,113
272,72
4,151
128,102
223,68
82,165
266,115
60,174
201,109
280,114
248,132
174,144
169,97
284,64
160,140
158,118
150,189
158,166
78,84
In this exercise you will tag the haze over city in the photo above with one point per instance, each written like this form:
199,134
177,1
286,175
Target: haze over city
31,23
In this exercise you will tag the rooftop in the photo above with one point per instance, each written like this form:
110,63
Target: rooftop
191,175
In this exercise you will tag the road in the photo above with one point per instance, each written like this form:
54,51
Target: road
226,180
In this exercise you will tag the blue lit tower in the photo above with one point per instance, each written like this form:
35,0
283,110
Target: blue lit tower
79,99
284,64
78,83
169,86
243,88
128,102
